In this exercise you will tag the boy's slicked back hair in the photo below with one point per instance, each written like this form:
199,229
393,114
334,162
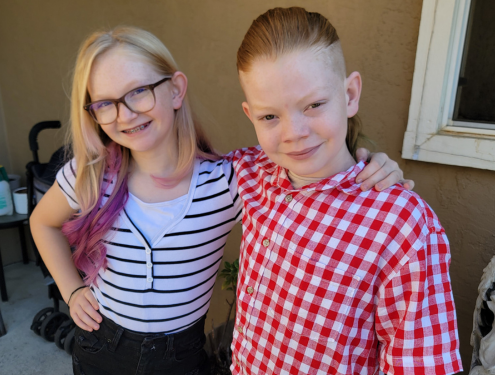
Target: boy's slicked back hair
280,31
283,30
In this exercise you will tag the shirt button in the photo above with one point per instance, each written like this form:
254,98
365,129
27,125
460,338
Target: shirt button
288,198
266,242
150,279
149,265
148,251
237,362
239,329
250,290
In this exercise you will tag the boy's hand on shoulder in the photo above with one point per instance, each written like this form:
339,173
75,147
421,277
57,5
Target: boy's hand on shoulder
381,172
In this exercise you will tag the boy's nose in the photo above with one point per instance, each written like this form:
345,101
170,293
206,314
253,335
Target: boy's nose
294,129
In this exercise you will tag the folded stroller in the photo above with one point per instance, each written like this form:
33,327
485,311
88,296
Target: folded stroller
49,323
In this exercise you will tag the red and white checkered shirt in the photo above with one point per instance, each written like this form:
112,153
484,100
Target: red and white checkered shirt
334,280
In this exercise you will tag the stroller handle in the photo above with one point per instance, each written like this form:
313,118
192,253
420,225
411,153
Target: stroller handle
33,135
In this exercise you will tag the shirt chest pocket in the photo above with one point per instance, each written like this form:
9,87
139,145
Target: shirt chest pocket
317,298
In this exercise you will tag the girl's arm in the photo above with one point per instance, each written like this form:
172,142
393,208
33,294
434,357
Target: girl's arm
381,172
46,223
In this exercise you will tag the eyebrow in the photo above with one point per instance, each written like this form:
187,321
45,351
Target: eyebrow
306,98
262,108
133,85
315,93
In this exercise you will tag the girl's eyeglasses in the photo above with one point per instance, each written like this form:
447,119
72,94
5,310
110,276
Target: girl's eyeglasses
138,100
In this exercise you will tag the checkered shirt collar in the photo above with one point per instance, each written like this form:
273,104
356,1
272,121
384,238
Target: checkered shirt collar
344,181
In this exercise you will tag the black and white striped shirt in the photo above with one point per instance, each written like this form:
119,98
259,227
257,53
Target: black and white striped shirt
166,286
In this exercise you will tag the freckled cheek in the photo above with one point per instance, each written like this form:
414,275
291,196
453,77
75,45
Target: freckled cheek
334,129
164,116
268,141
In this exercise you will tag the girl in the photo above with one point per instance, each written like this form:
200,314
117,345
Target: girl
146,205
332,280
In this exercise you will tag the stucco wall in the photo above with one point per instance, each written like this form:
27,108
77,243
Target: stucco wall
38,43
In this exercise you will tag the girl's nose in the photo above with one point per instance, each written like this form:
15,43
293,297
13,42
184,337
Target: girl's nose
294,128
125,114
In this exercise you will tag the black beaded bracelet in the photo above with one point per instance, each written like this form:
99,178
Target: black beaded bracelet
75,290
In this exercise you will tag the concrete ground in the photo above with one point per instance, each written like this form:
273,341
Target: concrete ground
21,351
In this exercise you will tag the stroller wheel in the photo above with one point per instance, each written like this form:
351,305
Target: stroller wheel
62,332
69,341
51,324
39,318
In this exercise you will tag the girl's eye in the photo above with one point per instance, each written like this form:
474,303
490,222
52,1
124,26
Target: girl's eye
315,105
100,105
138,91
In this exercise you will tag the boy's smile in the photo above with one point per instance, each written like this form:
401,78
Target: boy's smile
303,154
299,106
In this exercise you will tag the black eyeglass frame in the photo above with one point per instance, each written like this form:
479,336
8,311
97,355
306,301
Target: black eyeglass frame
87,107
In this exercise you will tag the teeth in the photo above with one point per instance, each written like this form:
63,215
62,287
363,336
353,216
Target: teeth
135,129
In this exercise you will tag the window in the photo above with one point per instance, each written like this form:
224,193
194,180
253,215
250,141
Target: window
452,110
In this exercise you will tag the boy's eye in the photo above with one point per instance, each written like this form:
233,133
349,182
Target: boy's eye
268,117
315,105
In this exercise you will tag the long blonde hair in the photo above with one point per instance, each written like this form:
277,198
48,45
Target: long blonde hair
281,31
95,154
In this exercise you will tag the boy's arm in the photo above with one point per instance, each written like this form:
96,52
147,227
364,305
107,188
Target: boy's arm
381,172
415,319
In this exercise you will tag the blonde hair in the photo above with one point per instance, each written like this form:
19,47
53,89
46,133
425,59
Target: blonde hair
95,154
281,31
89,142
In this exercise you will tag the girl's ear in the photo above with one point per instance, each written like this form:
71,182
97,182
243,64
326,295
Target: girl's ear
353,86
179,88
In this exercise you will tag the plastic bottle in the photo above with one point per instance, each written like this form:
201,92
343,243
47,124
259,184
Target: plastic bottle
6,206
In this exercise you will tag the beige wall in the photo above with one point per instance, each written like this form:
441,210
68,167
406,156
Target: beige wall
4,146
38,43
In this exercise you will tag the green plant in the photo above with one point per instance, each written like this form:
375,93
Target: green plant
230,272
221,353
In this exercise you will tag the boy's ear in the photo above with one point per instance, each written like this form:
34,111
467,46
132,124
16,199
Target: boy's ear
353,86
245,108
179,88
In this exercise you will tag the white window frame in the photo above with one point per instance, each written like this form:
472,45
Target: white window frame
431,134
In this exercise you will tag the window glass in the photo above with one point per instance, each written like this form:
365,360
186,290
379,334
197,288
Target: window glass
475,99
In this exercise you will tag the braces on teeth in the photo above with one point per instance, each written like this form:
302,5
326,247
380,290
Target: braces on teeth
135,129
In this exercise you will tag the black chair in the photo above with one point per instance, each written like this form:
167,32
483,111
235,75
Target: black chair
49,323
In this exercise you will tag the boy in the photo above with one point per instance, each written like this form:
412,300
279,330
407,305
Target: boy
332,279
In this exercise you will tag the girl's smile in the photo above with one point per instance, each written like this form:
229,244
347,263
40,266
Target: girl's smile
116,72
136,129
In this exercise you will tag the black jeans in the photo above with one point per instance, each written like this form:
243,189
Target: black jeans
115,350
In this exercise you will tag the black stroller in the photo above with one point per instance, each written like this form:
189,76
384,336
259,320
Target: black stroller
50,323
